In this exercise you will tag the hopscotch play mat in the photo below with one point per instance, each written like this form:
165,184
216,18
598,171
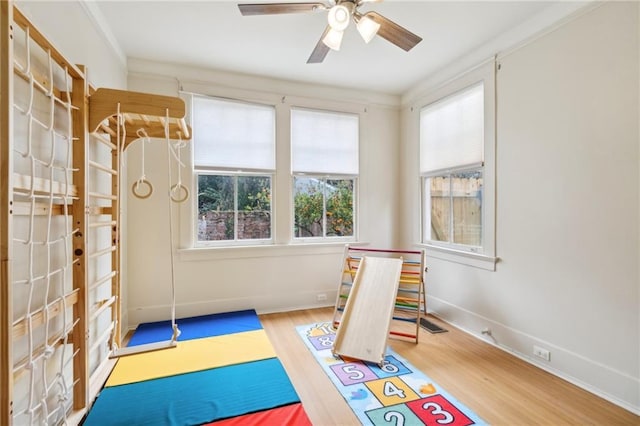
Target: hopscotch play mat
395,394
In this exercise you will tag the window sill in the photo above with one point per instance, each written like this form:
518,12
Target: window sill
462,257
244,252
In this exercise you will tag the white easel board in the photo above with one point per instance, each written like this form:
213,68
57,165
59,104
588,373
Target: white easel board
364,329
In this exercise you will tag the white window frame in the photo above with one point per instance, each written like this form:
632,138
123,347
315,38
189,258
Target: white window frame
485,256
324,238
235,241
282,242
198,170
337,176
427,207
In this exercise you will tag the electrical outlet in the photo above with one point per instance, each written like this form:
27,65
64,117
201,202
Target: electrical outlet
321,297
541,353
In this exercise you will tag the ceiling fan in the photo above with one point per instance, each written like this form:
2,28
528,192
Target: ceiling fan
340,13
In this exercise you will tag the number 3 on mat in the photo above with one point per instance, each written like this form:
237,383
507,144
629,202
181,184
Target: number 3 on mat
440,416
437,410
443,417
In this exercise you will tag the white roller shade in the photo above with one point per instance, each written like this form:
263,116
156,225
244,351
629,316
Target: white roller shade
231,134
452,131
324,142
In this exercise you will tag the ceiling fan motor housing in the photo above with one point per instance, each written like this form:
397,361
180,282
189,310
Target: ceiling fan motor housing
340,15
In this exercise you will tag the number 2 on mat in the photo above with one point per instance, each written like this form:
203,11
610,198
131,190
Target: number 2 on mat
390,416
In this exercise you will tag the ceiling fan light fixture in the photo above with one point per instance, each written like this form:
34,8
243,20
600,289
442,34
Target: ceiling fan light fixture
338,17
367,27
333,39
339,13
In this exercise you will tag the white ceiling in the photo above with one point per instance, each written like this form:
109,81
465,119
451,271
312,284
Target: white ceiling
213,34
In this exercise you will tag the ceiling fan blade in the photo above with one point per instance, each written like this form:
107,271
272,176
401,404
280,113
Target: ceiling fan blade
393,32
278,8
321,49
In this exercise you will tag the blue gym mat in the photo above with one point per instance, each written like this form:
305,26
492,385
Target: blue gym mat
196,398
197,327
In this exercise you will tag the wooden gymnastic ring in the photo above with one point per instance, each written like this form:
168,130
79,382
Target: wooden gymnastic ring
139,182
182,187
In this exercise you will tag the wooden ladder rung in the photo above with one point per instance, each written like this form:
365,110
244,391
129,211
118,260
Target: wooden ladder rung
21,326
23,208
99,210
44,87
104,140
107,129
103,252
102,224
103,196
54,341
410,281
103,280
26,184
102,306
103,168
407,299
102,338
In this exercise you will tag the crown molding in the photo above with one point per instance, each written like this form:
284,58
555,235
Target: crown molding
544,22
102,28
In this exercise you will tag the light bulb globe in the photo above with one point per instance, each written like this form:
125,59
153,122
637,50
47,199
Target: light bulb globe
367,28
338,17
333,39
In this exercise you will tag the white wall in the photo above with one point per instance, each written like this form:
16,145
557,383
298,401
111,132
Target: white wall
281,277
70,27
567,207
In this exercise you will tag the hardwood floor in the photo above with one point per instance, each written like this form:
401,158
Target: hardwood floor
500,388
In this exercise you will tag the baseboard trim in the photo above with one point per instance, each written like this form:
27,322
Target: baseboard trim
261,303
572,367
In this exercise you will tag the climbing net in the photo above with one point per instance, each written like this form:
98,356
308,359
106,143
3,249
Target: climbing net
42,270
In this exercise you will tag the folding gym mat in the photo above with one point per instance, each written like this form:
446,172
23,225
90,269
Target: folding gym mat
193,355
248,381
197,327
290,415
196,398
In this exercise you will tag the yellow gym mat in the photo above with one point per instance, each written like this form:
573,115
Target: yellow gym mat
193,355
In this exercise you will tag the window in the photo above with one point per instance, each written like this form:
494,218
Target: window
457,169
324,160
451,163
323,207
233,207
234,162
455,208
